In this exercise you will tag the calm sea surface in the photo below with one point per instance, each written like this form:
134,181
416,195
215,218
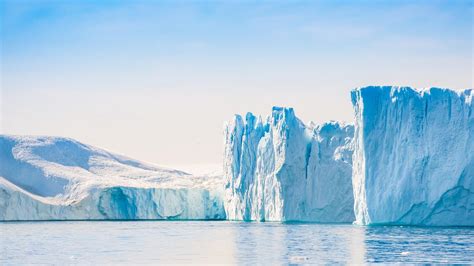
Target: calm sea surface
228,242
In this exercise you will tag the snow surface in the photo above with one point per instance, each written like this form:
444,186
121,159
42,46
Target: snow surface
414,156
44,178
282,170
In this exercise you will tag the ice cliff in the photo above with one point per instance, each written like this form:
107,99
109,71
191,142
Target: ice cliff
283,170
44,178
409,160
413,156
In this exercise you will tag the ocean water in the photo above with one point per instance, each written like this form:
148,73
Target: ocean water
109,242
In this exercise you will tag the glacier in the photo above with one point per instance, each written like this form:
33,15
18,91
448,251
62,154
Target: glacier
413,156
407,160
283,170
53,178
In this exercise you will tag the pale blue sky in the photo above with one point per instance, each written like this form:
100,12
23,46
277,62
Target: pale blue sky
155,80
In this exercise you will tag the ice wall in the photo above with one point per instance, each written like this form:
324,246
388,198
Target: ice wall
283,170
414,156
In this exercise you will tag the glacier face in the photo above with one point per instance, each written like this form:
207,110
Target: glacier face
413,156
44,178
283,170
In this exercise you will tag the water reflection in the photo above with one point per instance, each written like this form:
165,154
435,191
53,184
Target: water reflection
272,243
252,241
419,244
228,243
299,243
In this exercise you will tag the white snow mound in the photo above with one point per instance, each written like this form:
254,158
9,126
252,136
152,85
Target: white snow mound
52,178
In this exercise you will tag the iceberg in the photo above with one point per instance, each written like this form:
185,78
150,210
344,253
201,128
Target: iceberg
413,156
52,178
284,170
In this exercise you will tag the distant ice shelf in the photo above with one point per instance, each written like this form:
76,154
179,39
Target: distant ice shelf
282,170
414,156
50,178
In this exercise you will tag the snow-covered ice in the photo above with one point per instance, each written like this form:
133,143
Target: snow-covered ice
413,156
409,158
44,178
283,170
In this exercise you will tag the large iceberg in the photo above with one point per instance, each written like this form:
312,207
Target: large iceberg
283,170
413,156
44,178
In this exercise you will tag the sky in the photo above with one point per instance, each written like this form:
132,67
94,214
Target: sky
155,80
